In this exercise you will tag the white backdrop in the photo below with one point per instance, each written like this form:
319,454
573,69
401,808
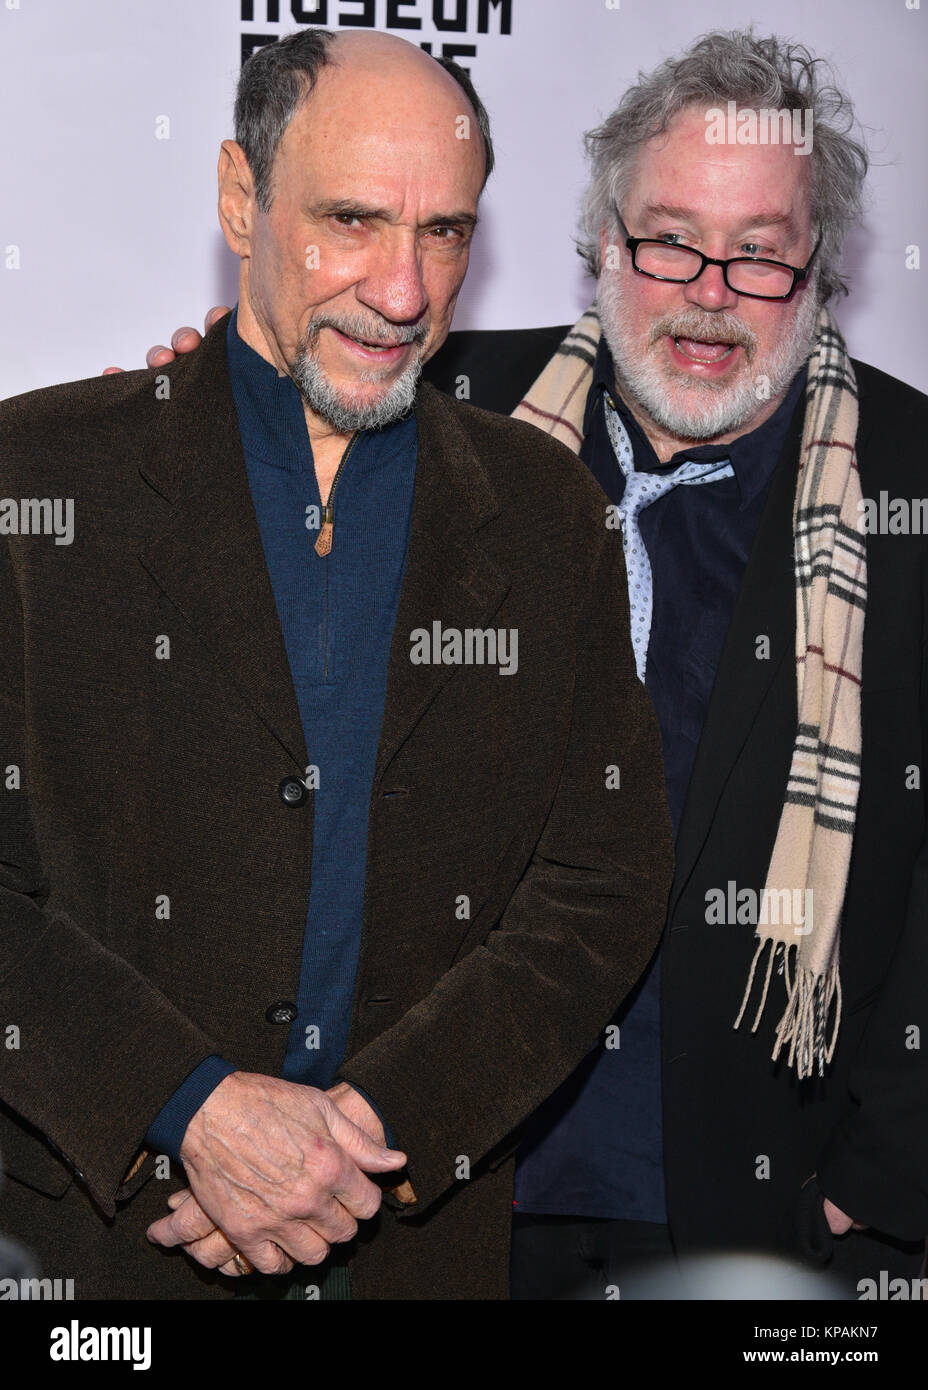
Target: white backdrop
108,234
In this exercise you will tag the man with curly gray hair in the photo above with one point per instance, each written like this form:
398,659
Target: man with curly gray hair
711,394
780,634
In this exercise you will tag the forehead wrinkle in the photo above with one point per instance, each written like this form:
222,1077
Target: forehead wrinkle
765,217
380,159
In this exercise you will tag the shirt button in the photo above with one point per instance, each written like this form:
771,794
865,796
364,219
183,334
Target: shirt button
293,792
281,1012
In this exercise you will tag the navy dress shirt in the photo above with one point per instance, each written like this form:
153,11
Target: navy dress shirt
595,1149
337,614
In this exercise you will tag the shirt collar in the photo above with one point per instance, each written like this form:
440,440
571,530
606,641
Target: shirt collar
272,421
753,455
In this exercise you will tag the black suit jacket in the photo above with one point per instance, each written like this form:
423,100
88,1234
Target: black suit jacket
149,773
741,1135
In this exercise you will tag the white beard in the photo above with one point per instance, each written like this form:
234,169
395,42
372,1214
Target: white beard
699,409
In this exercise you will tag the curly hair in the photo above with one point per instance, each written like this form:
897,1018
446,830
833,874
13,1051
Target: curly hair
735,66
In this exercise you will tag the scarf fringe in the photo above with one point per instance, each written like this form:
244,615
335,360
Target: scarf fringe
809,1000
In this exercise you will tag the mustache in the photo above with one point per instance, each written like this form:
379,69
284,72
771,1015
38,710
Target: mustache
719,327
370,331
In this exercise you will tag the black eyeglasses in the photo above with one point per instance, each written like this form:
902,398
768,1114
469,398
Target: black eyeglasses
748,275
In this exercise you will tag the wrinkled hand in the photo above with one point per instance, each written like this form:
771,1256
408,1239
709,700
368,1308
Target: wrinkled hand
182,340
355,1108
275,1174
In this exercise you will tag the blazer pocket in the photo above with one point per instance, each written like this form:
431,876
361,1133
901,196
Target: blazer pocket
25,1155
497,896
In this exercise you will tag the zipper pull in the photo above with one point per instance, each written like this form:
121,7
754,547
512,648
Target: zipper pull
323,542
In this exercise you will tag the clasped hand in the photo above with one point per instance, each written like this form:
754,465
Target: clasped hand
277,1174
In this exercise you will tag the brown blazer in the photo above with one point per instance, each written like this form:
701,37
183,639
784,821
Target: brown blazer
145,778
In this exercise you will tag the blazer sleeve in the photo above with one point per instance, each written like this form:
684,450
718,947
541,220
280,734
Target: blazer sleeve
510,1020
99,1049
875,1165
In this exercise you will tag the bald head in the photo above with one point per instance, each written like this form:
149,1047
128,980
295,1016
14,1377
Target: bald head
385,73
375,52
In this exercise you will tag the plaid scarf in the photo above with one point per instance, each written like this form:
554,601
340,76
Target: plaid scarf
811,854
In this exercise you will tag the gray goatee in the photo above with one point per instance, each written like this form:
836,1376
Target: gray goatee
347,410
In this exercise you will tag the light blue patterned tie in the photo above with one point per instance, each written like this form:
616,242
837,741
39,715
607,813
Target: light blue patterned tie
641,489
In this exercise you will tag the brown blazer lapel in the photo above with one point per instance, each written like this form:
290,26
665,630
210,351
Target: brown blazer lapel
209,559
450,578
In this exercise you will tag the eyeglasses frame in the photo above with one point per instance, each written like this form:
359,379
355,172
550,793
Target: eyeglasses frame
799,273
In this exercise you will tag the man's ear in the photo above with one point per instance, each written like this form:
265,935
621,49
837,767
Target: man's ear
237,206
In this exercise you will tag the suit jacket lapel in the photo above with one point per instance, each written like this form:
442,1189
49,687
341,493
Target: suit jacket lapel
450,578
766,606
209,559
